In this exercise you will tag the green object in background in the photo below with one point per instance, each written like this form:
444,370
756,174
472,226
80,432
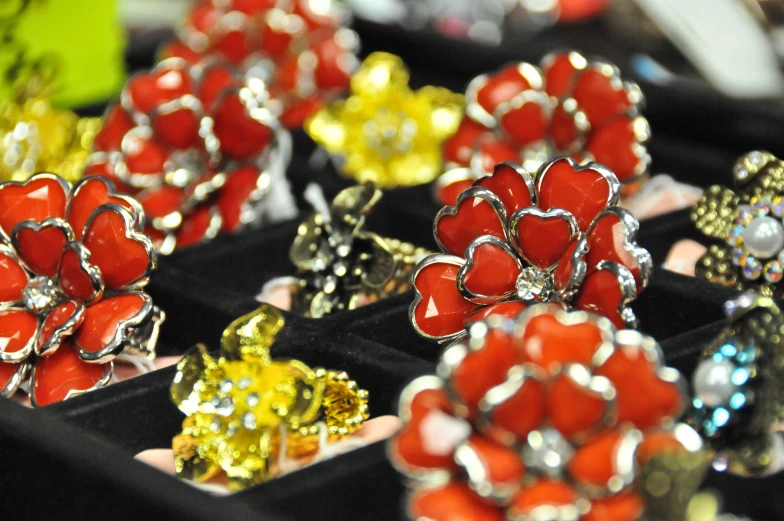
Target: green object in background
79,44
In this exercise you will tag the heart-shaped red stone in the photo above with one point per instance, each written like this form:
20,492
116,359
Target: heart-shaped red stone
442,311
419,444
448,194
179,128
642,398
565,134
40,249
460,147
298,110
600,97
161,201
491,271
239,189
548,343
116,123
607,240
240,136
559,72
508,309
177,49
562,275
544,492
493,150
215,80
275,41
601,293
105,167
594,462
88,195
521,413
196,226
617,146
527,123
511,184
123,260
584,193
8,371
454,501
13,279
203,16
502,466
500,87
145,155
37,199
106,321
150,90
17,329
57,322
623,506
331,59
543,239
57,375
484,368
77,280
574,410
473,218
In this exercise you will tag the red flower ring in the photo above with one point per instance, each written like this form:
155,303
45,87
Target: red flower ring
571,106
555,412
198,145
508,243
73,262
306,54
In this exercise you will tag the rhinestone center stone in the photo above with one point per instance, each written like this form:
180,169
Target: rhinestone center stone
40,295
534,284
548,453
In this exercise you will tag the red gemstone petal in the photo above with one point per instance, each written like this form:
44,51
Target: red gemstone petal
104,321
122,260
526,124
54,377
38,199
106,168
594,462
148,91
452,502
178,129
563,129
607,241
562,275
473,218
116,123
17,330
178,49
617,146
521,413
54,321
195,227
502,466
448,194
584,193
76,281
238,190
275,41
162,201
331,72
559,73
86,197
511,185
241,137
442,311
509,309
542,240
626,506
13,279
599,96
573,409
491,271
493,151
298,110
656,443
204,15
40,250
547,342
601,293
144,155
8,371
500,87
460,147
216,79
573,10
543,492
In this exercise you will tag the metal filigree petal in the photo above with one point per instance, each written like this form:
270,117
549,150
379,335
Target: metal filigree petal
715,211
351,205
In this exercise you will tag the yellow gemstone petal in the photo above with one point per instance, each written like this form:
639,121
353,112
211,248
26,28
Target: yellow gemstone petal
250,336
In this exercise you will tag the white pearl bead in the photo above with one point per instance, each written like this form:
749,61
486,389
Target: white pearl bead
764,237
713,382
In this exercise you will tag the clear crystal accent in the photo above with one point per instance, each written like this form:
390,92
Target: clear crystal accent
534,284
40,295
252,399
225,407
249,421
548,452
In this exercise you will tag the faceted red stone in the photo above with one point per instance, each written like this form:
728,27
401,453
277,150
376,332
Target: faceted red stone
643,399
474,217
13,279
521,413
106,169
203,15
501,86
594,461
492,271
526,124
252,7
574,410
37,199
298,110
600,97
287,74
233,46
145,155
330,70
615,145
103,320
558,75
161,201
442,310
424,442
543,240
447,195
543,492
452,502
600,293
460,147
275,41
583,193
563,272
547,341
563,129
122,260
150,90
74,281
625,506
238,190
55,320
509,309
178,129
509,185
241,136
607,241
215,79
17,329
7,371
195,227
177,49
116,123
657,443
493,150
89,195
502,465
57,375
483,369
573,10
40,250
